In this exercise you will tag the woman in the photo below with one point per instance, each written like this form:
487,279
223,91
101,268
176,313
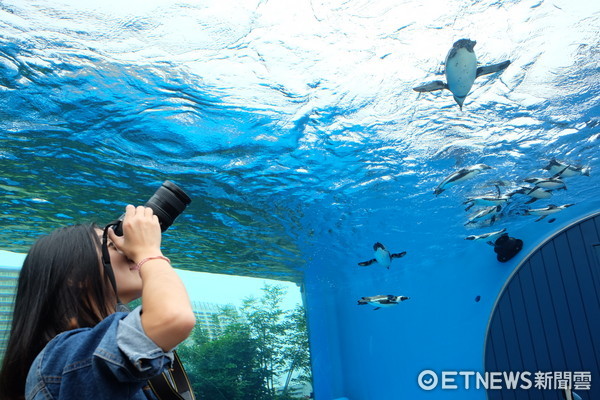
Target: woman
67,339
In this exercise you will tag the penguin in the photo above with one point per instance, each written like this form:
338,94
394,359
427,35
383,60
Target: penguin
461,71
382,256
548,183
490,213
489,200
535,193
544,212
382,300
564,170
500,182
491,236
460,176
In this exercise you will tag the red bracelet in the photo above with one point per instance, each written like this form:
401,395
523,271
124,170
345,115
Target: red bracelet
139,265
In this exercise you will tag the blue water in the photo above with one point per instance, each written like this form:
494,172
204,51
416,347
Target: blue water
294,128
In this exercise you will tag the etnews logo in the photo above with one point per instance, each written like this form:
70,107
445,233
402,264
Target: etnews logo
577,380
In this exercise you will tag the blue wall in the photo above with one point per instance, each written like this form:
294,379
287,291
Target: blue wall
365,354
362,354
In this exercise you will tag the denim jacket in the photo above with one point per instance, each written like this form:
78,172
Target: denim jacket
111,361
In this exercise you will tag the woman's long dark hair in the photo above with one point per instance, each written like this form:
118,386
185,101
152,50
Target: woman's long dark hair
61,286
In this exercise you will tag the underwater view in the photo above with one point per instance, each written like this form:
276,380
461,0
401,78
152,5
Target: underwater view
338,145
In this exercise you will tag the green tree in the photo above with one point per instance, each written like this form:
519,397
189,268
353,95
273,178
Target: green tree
282,339
261,349
297,351
225,368
268,326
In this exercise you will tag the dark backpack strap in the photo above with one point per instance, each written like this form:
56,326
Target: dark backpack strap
173,383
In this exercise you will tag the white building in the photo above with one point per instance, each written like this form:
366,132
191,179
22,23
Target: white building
10,266
208,317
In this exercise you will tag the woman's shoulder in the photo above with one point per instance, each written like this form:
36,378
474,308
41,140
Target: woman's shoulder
117,345
77,357
78,344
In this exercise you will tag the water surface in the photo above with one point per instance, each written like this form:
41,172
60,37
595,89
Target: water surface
292,126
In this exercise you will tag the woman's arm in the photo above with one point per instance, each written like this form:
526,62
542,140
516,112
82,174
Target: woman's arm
167,316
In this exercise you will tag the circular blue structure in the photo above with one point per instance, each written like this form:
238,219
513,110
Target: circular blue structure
545,320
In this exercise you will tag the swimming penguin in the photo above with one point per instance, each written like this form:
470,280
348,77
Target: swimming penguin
489,200
498,183
563,170
382,256
461,71
547,183
460,176
535,193
382,300
544,212
489,213
491,236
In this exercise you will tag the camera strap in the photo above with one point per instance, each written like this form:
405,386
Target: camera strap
108,271
173,383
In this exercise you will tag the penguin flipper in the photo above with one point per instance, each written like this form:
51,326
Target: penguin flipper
365,263
490,69
431,86
398,255
558,175
533,199
376,308
498,190
540,218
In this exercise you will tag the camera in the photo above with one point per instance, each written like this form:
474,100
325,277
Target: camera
167,202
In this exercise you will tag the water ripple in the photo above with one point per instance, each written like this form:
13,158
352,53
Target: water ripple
294,127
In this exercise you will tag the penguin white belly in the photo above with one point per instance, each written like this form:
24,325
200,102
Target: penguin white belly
383,258
461,71
567,173
466,176
378,305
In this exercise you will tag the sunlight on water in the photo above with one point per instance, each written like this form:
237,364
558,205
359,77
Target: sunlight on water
295,129
288,124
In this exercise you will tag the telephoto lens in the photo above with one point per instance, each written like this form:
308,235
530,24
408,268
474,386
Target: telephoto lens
167,203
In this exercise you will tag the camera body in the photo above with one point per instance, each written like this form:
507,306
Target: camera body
167,203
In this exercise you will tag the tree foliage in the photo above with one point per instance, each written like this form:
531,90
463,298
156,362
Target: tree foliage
258,353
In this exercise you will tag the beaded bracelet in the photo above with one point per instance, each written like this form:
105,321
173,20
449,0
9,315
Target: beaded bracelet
139,265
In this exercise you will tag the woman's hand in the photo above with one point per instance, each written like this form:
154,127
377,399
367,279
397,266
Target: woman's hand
168,318
141,234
